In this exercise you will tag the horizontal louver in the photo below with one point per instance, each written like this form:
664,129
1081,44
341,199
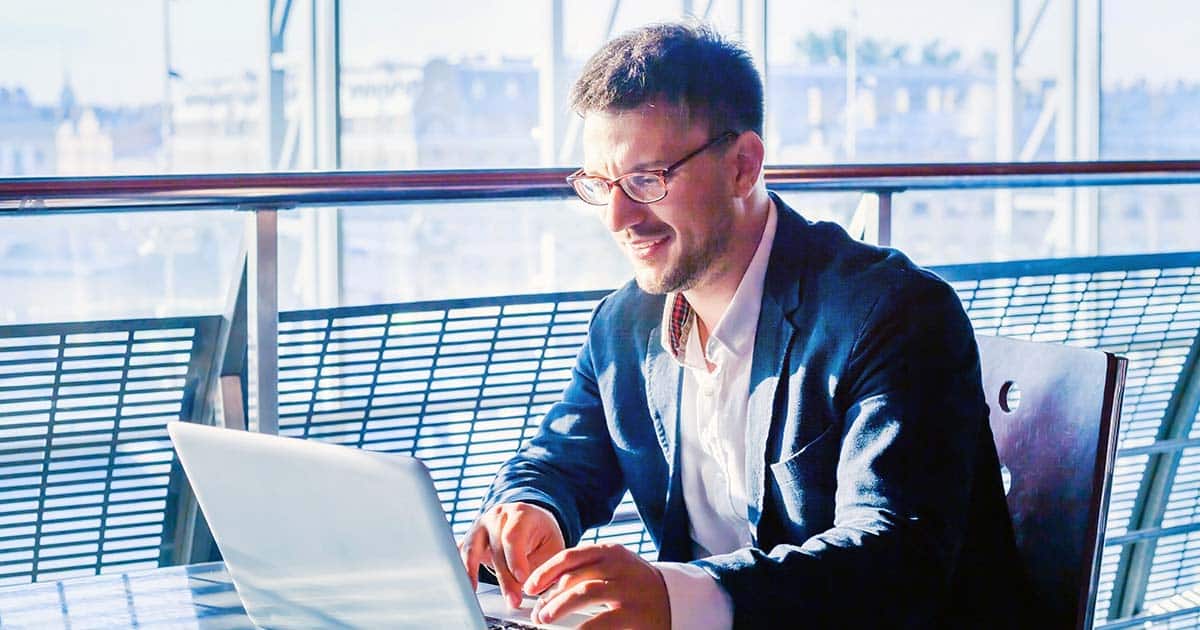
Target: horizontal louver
85,463
459,384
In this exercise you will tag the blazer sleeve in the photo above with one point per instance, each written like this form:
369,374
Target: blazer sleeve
914,410
569,467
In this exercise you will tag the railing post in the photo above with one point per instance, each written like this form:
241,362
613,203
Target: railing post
884,220
262,305
872,219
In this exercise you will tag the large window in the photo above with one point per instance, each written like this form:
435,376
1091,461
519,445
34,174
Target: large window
1149,110
231,86
137,87
152,86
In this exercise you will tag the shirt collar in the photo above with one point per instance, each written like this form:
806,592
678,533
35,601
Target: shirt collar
735,331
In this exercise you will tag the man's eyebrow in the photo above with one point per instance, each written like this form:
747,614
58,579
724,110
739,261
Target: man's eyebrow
652,165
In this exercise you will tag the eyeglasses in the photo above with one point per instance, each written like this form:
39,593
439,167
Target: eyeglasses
640,186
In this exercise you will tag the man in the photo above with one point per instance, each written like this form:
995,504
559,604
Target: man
798,416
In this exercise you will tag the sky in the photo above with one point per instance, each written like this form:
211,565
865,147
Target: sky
113,51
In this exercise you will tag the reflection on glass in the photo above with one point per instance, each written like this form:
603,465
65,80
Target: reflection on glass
423,252
85,267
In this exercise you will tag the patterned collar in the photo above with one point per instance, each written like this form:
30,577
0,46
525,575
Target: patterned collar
681,323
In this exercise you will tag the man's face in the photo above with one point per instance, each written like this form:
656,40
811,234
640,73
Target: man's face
677,243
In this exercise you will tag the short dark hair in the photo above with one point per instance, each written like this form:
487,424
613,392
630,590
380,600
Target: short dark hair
687,64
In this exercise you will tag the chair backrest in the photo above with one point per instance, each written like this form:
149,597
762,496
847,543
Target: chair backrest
1053,411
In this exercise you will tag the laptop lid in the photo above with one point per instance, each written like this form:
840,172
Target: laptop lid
318,535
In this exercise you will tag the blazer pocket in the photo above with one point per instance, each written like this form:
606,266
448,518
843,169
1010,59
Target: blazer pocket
812,465
805,485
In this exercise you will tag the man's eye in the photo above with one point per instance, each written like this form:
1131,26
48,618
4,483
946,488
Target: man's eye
642,180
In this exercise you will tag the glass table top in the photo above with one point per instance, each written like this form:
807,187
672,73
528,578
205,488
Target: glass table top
194,596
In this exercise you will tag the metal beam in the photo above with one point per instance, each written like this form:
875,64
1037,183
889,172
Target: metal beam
194,541
1006,107
1133,569
274,123
323,226
326,82
1086,235
1066,91
233,347
1023,39
552,85
752,24
1038,135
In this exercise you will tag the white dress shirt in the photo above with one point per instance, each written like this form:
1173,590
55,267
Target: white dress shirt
712,435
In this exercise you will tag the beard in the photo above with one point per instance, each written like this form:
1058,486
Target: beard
691,267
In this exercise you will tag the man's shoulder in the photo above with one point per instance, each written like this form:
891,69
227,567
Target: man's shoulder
835,266
628,309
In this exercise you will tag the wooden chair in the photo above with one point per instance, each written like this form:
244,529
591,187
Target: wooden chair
1054,412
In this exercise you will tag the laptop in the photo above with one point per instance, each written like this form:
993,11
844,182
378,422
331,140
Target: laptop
320,535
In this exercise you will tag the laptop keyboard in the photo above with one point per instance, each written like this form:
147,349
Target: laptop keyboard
500,624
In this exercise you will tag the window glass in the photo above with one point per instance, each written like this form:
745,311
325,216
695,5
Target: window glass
132,87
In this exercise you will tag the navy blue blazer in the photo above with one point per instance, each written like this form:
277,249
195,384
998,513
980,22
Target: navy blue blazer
876,498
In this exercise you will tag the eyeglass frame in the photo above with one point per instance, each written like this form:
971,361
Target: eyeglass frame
661,173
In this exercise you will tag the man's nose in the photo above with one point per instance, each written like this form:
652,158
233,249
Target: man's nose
622,212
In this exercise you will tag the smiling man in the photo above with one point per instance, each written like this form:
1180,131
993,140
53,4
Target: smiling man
798,416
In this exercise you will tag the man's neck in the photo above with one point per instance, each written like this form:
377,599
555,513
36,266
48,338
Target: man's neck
711,298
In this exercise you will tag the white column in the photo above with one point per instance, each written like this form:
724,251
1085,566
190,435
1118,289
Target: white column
1087,122
552,82
1006,66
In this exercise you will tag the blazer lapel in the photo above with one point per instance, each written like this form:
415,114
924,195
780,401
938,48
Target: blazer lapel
774,335
663,378
664,381
771,343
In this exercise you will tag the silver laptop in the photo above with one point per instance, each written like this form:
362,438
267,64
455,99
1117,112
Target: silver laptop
318,535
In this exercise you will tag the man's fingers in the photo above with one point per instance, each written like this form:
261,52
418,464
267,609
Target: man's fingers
472,550
509,586
562,562
511,540
579,595
515,551
472,569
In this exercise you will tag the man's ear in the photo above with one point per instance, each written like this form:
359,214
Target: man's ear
749,154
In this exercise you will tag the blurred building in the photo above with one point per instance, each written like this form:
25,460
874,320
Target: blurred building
484,113
27,134
216,125
477,114
378,118
101,141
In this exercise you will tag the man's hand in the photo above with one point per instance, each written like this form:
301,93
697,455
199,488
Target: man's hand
632,588
512,540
